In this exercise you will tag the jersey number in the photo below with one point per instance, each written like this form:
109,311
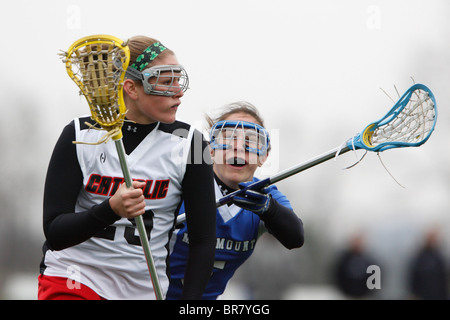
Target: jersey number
110,232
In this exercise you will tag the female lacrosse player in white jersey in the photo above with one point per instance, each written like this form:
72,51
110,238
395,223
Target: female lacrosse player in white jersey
92,250
239,145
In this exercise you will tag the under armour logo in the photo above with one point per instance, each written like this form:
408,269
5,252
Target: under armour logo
102,157
223,190
131,128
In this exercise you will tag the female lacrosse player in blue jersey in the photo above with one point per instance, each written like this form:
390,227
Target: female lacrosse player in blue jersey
239,145
92,249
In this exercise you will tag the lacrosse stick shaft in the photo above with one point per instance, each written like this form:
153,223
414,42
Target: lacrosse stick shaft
285,174
308,164
139,223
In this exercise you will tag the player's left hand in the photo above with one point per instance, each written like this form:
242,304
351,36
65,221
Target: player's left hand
128,202
252,200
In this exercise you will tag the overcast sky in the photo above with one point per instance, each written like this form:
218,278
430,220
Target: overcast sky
313,68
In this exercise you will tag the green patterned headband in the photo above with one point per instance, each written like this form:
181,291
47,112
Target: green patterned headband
148,56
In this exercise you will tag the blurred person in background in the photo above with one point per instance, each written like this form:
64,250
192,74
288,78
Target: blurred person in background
351,269
428,277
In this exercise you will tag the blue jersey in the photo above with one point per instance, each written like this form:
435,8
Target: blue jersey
237,231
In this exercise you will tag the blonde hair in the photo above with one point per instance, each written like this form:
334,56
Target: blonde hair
235,107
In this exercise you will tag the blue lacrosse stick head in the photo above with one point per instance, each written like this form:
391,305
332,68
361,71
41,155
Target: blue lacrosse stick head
409,123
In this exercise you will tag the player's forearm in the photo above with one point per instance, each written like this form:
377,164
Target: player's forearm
69,229
198,269
201,219
284,225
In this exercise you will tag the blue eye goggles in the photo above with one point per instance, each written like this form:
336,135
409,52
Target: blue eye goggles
228,134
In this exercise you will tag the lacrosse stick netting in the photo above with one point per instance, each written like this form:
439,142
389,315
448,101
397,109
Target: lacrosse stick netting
97,64
409,123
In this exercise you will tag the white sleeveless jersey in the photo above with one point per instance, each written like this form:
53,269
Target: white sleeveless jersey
113,263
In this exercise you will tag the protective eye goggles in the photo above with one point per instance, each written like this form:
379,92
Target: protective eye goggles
225,134
161,80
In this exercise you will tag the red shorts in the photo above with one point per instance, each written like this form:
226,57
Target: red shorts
58,288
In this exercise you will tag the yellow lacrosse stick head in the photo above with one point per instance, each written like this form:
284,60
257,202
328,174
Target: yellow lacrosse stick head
97,64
